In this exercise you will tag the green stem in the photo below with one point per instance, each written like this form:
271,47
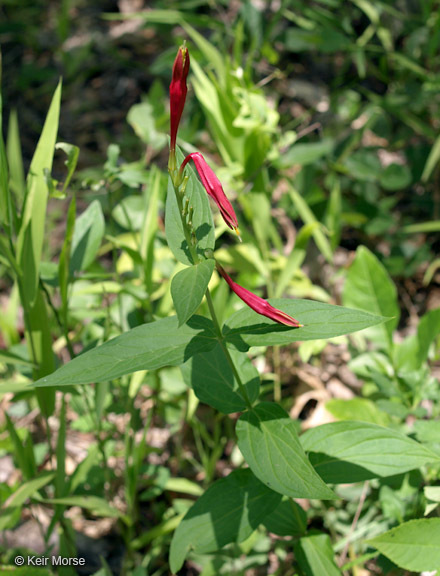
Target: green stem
276,356
61,324
176,180
277,369
186,231
225,349
27,322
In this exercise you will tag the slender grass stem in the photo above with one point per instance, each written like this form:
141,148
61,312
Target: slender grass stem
61,324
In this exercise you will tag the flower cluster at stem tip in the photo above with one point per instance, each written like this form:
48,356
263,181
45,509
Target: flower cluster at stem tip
212,185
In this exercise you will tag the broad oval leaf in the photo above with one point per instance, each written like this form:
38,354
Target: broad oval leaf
188,288
359,409
229,511
247,328
287,519
427,331
414,545
87,238
427,431
212,379
344,452
129,213
270,445
315,556
145,347
202,218
369,287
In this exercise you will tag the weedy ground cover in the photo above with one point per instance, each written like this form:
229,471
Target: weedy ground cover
175,400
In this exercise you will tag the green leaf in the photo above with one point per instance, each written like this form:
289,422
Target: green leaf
212,98
320,320
82,470
63,265
360,409
427,431
333,214
304,154
395,177
326,39
422,227
268,440
229,511
202,218
213,381
214,57
414,545
27,465
427,331
188,288
344,452
432,160
184,486
25,571
141,118
28,489
288,519
149,227
72,153
308,217
17,182
145,347
364,165
129,213
98,506
432,493
89,231
32,229
60,478
369,287
41,337
14,359
315,556
5,196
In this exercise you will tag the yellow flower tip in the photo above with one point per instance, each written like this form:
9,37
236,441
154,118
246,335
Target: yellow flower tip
184,52
237,231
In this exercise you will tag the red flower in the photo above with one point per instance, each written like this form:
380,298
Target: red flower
258,304
213,187
178,92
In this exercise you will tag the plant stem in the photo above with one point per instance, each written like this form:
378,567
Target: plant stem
62,325
361,502
276,356
225,349
215,321
186,230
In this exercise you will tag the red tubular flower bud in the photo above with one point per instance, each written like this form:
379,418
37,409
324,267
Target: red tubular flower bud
258,304
214,188
178,92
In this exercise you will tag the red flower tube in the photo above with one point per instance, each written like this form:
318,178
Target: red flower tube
178,92
213,187
258,304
